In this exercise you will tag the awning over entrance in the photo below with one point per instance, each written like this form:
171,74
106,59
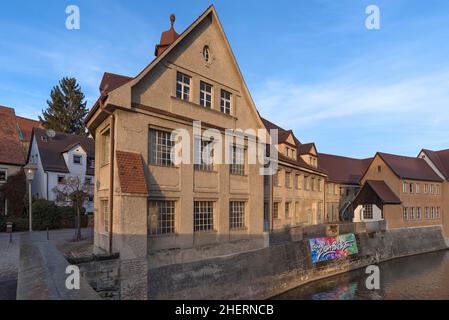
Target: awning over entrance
376,192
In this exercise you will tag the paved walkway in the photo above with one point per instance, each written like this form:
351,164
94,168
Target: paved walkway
9,256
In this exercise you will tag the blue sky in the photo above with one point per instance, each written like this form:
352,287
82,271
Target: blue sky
310,65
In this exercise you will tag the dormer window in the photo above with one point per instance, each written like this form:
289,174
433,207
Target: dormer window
77,159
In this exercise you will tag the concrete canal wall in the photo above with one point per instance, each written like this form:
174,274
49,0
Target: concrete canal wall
285,265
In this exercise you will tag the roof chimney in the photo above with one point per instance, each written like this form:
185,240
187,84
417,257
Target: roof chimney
167,38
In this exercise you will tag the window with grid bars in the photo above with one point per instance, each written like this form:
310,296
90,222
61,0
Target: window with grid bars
438,213
368,212
160,146
404,214
426,213
412,214
287,209
276,178
238,161
182,86
104,204
205,94
161,217
287,179
203,218
276,210
225,106
418,213
203,155
237,215
432,213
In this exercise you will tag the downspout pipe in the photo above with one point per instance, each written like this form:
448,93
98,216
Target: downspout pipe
111,174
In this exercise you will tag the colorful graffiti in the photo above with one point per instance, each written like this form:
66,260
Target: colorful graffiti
330,248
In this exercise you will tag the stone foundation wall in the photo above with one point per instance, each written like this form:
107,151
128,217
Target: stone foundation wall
264,273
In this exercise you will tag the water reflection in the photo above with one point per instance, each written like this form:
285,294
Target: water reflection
418,277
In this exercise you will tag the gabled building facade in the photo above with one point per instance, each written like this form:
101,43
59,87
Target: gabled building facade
295,193
403,191
194,77
59,157
342,184
15,133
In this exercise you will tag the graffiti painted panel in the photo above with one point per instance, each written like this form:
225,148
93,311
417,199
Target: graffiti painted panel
330,248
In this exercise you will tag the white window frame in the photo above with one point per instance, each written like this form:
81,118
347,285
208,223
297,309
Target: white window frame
183,83
368,213
163,221
237,215
404,214
160,148
412,214
203,216
199,146
5,171
418,213
206,97
78,156
225,101
237,167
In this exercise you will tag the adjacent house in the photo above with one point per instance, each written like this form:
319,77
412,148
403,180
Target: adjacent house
144,203
296,191
439,162
14,136
403,191
59,157
342,184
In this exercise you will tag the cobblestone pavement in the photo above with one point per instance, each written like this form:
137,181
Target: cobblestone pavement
9,255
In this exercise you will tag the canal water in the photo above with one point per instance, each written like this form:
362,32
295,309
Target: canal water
423,276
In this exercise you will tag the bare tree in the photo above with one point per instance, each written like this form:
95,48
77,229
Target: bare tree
72,191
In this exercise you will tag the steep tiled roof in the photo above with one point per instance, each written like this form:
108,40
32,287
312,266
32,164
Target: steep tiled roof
409,167
384,192
305,148
282,138
112,81
10,146
26,127
51,149
343,169
131,173
440,159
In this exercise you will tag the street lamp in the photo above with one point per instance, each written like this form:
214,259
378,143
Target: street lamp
30,170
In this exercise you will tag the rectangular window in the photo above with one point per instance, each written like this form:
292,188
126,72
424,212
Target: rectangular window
205,94
3,175
182,86
161,217
203,217
276,210
61,179
296,181
404,214
411,187
236,215
105,146
287,209
418,213
426,188
438,213
203,155
432,213
225,106
418,188
437,189
306,182
77,159
404,187
312,184
319,185
276,178
412,214
238,161
368,212
431,189
160,146
426,213
104,204
288,179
